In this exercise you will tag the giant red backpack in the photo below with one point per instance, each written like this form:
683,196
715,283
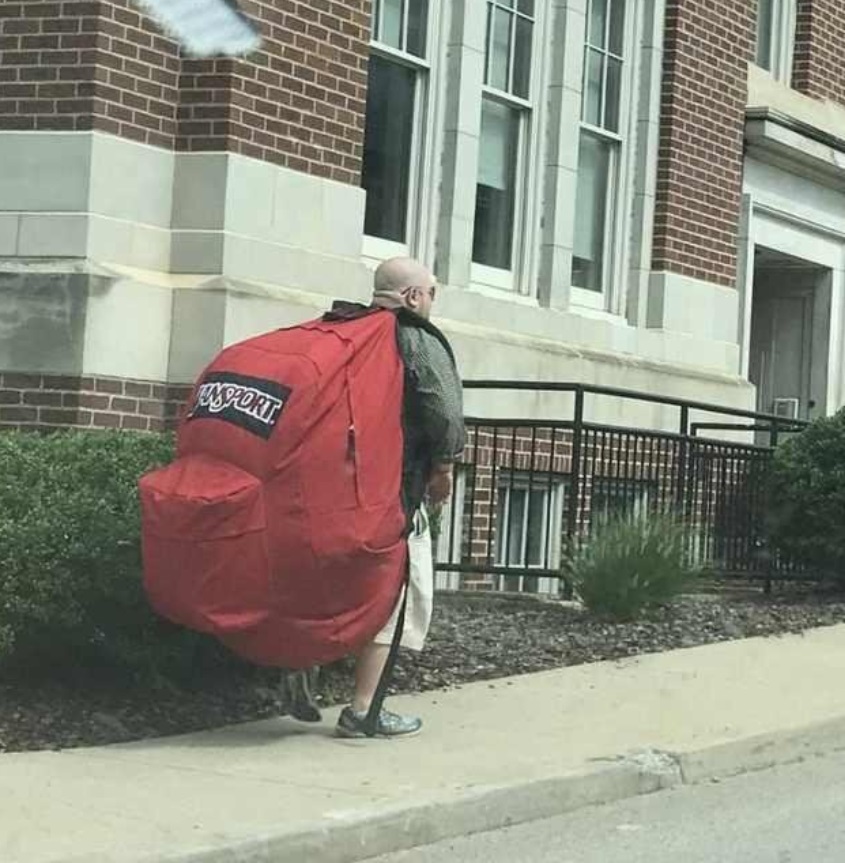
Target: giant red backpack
280,528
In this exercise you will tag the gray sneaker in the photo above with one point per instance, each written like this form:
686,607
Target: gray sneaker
351,724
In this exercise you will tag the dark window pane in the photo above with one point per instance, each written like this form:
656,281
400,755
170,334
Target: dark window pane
536,547
765,27
613,95
614,499
516,527
417,26
387,148
526,7
499,50
617,27
591,213
495,193
593,69
597,24
488,36
510,515
522,58
391,23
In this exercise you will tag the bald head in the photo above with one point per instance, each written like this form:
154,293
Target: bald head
404,283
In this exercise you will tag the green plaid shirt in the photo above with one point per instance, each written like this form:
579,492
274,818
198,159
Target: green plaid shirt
432,409
437,415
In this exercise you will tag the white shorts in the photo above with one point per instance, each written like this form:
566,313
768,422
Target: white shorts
420,590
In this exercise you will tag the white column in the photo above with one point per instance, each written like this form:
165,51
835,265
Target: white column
464,80
835,394
646,145
745,281
568,29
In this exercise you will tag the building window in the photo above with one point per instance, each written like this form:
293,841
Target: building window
529,526
776,22
601,139
612,498
765,32
505,114
396,96
495,200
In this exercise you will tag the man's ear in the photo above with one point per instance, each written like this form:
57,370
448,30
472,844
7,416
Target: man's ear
414,296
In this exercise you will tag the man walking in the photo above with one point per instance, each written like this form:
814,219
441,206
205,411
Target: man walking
434,439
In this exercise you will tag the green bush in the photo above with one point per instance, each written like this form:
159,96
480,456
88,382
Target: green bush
70,563
631,562
806,499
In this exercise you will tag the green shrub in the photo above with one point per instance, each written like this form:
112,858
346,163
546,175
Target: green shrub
806,499
70,563
631,562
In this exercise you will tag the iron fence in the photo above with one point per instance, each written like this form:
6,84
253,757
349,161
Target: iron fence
528,490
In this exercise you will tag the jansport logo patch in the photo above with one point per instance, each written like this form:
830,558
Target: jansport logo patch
254,404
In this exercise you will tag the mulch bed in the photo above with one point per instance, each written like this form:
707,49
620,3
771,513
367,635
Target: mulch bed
474,637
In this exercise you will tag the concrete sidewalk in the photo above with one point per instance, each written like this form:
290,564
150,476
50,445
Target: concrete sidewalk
490,755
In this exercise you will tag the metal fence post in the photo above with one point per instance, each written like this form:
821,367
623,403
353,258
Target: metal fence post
683,456
575,506
774,435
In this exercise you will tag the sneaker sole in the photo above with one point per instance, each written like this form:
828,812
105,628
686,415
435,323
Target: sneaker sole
346,734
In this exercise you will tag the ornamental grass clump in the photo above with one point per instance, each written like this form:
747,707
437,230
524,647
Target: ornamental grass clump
630,563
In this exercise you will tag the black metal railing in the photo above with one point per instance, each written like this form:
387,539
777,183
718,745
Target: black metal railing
528,489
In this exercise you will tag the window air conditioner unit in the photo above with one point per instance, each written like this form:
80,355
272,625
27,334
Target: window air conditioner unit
787,408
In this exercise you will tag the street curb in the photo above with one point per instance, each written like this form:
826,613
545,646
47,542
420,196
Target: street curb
368,833
761,751
361,834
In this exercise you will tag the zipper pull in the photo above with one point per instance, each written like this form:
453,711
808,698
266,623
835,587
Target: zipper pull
350,443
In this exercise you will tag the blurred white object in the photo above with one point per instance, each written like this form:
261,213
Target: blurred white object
205,27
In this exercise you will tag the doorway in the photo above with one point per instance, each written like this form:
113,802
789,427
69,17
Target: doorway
790,335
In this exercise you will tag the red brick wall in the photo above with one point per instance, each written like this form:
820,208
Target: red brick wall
77,65
205,105
38,402
488,457
707,46
46,64
137,77
819,48
300,102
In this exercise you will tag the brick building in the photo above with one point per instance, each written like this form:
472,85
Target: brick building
644,193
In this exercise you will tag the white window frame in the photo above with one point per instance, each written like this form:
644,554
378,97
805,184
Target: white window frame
784,27
425,140
610,298
528,181
557,490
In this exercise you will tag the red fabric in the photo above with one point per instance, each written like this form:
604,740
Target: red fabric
285,542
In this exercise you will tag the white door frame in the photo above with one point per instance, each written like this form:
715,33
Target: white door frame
798,238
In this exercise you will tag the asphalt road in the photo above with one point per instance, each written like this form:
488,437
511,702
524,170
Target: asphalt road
793,814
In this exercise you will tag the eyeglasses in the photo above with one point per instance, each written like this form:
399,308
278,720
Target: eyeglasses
431,290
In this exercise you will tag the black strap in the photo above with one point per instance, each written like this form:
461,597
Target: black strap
371,720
